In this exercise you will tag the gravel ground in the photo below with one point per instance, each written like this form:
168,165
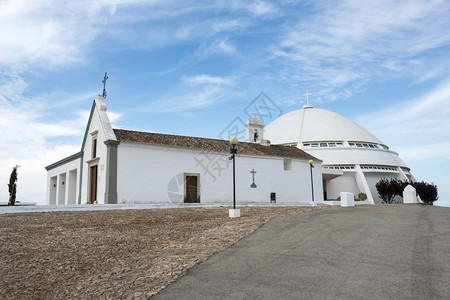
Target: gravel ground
115,254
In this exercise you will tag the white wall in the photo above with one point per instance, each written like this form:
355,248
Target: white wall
59,193
372,179
101,162
151,173
344,183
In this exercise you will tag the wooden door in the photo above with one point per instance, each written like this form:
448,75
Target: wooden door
191,190
93,185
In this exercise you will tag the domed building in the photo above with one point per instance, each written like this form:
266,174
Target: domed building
354,160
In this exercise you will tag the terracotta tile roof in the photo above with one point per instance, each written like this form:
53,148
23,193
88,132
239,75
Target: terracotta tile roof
206,144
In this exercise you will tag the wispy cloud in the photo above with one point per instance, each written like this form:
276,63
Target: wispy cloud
46,33
196,92
352,41
208,79
218,46
419,128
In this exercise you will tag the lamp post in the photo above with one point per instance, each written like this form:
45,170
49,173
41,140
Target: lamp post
311,166
234,212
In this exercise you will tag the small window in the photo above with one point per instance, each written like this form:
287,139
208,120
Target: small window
314,145
287,163
323,145
306,145
352,144
94,147
331,144
359,145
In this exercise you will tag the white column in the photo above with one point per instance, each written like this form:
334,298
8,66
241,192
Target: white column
402,174
362,183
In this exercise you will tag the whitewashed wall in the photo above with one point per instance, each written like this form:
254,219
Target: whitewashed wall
344,183
149,174
63,183
101,154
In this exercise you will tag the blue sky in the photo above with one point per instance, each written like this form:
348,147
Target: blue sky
192,67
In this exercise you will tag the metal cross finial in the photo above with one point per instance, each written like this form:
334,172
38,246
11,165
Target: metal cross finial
104,85
307,96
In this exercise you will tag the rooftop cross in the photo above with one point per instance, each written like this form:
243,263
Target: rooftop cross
307,96
104,85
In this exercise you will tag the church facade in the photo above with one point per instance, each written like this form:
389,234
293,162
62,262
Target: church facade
122,166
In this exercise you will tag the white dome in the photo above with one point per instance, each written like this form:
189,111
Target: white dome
315,124
332,138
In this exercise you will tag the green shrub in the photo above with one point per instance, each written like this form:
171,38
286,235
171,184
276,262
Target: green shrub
362,197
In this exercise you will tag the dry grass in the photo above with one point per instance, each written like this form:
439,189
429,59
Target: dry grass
121,254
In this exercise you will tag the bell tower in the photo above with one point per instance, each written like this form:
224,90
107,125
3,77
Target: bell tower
254,129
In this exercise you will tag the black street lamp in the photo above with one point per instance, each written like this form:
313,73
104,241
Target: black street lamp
233,151
311,166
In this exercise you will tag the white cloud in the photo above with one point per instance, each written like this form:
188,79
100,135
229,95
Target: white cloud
365,41
419,128
219,46
208,79
195,92
189,101
45,33
259,7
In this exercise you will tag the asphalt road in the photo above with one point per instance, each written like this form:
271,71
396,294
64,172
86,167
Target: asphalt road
370,252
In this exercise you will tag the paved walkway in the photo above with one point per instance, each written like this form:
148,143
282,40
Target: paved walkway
374,252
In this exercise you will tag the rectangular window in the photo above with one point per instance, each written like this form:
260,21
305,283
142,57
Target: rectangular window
94,148
287,163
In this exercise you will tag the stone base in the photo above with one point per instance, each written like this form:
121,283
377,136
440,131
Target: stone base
235,213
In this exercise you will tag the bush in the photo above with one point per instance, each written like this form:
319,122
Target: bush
362,197
426,191
387,190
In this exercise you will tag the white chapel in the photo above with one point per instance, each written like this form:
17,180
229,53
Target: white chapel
123,166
